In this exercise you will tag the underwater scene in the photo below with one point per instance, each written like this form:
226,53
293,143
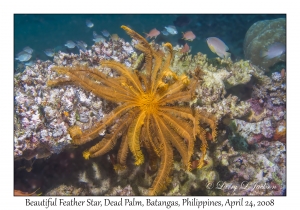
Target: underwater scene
140,104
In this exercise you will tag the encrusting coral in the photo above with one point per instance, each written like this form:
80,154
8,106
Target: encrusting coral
152,111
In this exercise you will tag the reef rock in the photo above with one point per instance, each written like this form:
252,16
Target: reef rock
254,132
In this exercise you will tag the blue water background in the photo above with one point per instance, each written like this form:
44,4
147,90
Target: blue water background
40,31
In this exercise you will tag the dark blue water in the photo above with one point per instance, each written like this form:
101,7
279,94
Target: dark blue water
41,32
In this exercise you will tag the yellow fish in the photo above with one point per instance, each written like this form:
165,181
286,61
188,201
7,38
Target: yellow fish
218,47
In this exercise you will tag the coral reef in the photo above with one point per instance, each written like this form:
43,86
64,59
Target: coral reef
261,172
147,105
40,127
230,107
215,78
44,114
251,131
280,132
269,101
186,182
118,191
64,190
157,102
96,179
260,36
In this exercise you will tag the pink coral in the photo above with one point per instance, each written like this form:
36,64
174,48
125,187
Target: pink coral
255,138
256,106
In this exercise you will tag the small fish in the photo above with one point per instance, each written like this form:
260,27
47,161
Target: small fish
95,34
105,33
153,33
70,44
171,29
217,46
189,36
185,48
49,52
28,49
114,37
89,23
165,32
274,50
99,38
81,46
82,43
30,63
23,56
